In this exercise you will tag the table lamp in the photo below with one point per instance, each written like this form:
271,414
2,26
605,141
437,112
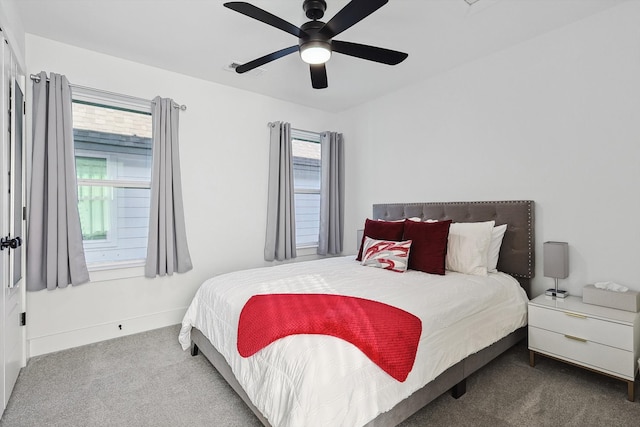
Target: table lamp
556,265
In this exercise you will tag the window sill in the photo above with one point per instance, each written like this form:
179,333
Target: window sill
307,251
116,271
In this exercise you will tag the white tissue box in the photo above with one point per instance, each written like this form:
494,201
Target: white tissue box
628,301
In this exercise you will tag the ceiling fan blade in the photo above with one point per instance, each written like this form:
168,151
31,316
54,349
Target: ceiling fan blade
354,12
263,16
371,53
265,59
318,76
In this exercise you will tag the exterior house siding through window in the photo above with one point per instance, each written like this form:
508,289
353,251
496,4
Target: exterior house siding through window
113,166
306,178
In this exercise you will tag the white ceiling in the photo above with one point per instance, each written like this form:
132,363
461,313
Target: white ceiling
200,38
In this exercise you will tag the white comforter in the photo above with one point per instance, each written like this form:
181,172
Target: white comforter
315,380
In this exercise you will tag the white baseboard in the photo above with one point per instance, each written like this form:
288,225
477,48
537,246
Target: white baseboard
101,332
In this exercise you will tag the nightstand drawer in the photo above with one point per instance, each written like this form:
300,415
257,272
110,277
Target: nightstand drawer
591,329
591,354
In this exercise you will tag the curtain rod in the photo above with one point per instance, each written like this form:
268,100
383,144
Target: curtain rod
182,107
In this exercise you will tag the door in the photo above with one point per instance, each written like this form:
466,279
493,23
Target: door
12,337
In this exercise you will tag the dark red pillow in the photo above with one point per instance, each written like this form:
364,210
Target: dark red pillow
429,245
381,230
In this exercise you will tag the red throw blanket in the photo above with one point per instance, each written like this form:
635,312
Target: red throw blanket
385,334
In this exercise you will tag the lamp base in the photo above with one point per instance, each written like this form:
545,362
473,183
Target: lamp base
558,293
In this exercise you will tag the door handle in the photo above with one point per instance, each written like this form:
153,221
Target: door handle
7,242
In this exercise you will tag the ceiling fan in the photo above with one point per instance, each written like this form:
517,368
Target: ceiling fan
315,38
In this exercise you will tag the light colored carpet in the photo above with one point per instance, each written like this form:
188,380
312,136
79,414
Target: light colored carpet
147,380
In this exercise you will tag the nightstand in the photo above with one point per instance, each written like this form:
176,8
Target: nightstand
601,339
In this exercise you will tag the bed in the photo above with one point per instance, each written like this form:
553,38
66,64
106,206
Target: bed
320,393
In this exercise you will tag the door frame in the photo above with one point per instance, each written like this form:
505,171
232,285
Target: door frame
13,295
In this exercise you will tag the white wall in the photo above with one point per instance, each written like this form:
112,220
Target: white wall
224,156
11,25
555,120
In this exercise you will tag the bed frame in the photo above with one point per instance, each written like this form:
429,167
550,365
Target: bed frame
516,258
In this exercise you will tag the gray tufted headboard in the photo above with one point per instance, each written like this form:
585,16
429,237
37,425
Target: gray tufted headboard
517,256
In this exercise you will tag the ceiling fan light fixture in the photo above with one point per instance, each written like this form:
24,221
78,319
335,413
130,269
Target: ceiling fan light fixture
315,52
316,38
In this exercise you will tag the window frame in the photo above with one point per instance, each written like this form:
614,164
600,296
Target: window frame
312,137
111,270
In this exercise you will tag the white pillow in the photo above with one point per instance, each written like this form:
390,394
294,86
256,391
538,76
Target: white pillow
494,247
468,246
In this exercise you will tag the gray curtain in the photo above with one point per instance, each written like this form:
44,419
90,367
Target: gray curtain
331,194
167,250
55,256
280,240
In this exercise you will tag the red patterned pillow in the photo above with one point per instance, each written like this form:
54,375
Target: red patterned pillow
381,230
429,245
386,254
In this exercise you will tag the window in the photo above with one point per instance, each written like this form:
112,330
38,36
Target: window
113,168
93,201
306,182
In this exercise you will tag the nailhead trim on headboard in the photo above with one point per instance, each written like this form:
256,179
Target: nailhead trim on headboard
517,255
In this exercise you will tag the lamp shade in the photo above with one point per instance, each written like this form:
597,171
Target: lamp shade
556,259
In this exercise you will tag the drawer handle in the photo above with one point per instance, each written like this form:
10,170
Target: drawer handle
579,316
571,337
